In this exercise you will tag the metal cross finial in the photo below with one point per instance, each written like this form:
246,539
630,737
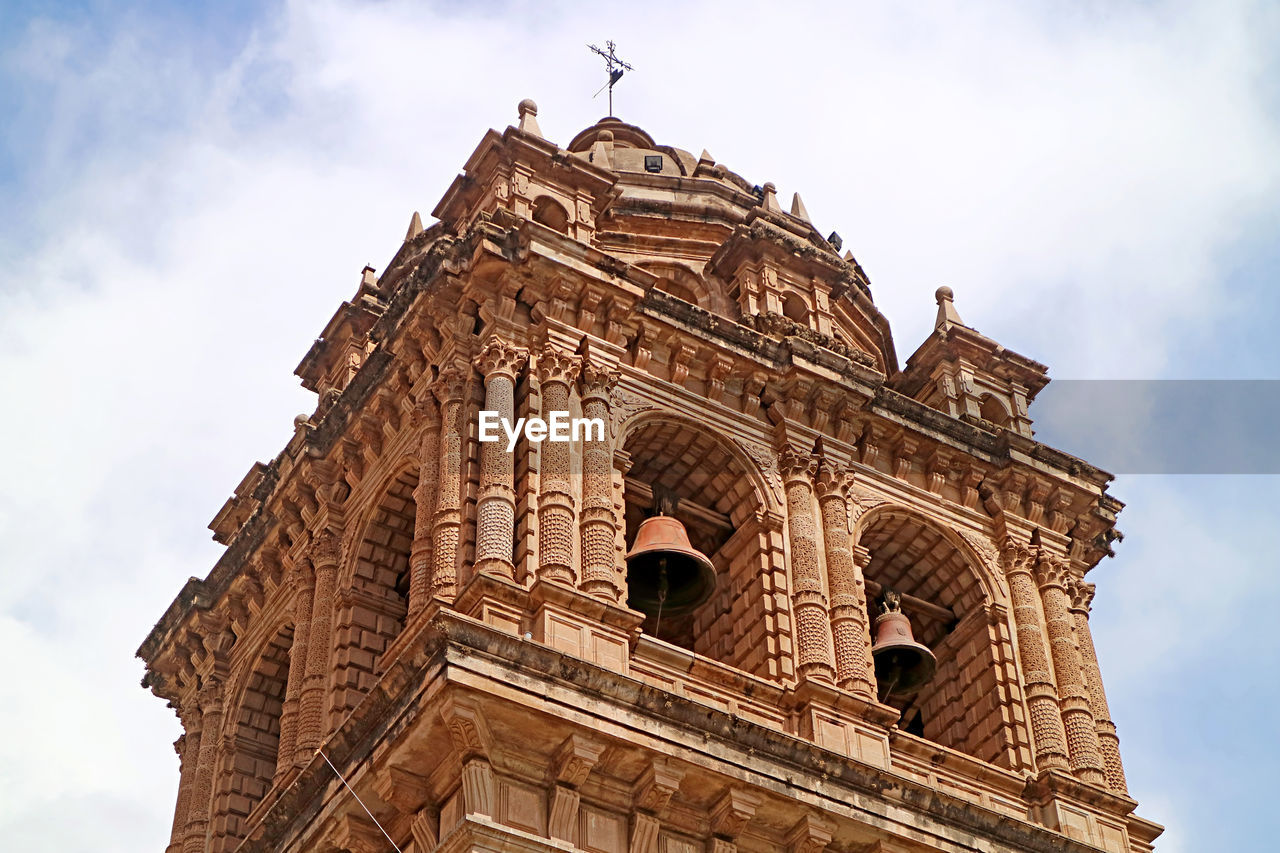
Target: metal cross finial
615,67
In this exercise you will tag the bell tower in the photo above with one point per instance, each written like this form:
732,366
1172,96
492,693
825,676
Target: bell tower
618,527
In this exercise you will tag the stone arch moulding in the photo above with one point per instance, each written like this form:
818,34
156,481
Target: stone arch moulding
372,590
639,415
252,734
688,284
983,566
406,466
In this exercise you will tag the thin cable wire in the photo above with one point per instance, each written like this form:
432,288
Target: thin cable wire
358,800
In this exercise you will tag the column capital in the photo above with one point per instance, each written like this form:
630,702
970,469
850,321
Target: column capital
556,365
210,694
1016,558
500,358
325,549
1081,595
1051,571
450,386
598,379
796,466
830,481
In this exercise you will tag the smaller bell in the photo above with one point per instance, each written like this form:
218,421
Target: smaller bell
666,574
903,666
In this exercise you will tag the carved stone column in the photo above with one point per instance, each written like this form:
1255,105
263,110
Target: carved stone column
556,372
426,416
201,797
325,553
499,362
449,389
813,629
1108,742
598,524
1042,699
188,749
1084,755
302,579
850,632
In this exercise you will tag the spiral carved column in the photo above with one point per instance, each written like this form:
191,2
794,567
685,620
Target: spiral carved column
850,631
426,416
1108,742
813,629
499,363
1084,756
449,389
1042,699
598,522
302,579
556,373
201,797
325,553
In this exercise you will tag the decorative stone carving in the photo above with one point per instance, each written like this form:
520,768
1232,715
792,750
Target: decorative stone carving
556,512
1085,757
1108,742
813,630
598,522
1047,731
450,390
426,416
499,362
850,624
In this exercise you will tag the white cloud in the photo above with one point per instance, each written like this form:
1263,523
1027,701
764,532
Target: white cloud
1074,176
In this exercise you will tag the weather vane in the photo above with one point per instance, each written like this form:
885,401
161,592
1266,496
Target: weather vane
615,66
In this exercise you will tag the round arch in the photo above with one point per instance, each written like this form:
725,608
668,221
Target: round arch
373,588
944,554
672,426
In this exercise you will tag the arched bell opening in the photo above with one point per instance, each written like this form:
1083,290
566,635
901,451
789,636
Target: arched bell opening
967,699
373,605
683,472
254,742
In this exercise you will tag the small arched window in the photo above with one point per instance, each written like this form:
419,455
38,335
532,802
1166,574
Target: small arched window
549,212
992,409
794,308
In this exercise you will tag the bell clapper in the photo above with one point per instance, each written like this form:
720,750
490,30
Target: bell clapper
663,586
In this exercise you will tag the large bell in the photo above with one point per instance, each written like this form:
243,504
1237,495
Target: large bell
903,666
665,574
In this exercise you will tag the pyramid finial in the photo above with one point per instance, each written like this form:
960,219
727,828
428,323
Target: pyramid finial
529,117
947,314
798,209
415,227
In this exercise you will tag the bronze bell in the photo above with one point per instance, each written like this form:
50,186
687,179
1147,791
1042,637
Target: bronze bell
666,574
903,666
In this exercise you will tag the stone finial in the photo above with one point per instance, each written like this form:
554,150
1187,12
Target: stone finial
947,314
705,158
602,150
770,199
415,227
798,209
529,117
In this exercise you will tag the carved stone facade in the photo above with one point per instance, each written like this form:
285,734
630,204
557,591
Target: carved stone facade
449,621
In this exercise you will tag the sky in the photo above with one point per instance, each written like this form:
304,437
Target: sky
187,192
